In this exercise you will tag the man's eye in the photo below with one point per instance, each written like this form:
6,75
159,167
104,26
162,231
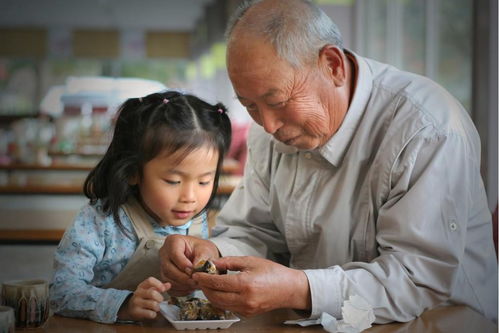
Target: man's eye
172,182
277,105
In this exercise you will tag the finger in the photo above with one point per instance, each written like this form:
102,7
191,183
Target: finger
166,286
200,257
148,304
189,253
140,313
233,263
227,283
224,300
153,294
173,272
177,277
174,256
180,255
152,282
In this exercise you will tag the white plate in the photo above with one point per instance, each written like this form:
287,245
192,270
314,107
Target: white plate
170,312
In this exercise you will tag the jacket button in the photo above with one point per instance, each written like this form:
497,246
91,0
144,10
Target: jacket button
150,244
453,225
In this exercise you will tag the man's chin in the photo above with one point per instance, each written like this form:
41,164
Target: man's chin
301,144
305,147
293,142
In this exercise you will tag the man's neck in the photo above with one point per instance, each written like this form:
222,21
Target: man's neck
352,74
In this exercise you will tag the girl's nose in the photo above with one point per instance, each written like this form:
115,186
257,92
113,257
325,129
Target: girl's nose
188,193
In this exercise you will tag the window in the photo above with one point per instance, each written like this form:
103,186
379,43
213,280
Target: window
428,37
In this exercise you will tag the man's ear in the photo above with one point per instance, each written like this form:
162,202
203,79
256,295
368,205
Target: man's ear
333,61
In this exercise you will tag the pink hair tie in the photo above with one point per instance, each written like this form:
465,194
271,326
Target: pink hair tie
220,111
165,100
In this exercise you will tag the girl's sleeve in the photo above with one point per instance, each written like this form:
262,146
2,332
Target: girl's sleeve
72,290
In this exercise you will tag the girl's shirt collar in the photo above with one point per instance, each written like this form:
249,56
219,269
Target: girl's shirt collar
168,229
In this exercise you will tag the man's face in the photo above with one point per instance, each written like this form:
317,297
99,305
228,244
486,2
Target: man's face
299,107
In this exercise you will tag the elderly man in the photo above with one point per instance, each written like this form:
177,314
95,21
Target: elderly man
361,180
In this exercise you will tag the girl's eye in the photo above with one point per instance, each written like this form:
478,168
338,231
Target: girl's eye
205,183
172,182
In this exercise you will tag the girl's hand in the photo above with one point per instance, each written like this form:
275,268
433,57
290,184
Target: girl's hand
144,303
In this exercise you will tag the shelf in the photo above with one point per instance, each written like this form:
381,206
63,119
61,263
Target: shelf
94,154
56,167
31,235
8,118
72,189
228,167
42,189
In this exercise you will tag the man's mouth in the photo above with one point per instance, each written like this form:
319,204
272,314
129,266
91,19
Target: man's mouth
290,141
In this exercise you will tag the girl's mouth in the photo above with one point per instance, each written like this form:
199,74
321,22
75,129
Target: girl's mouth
181,214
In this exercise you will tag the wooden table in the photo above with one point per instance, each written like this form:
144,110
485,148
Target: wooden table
454,319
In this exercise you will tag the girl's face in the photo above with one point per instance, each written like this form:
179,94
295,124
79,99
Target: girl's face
173,192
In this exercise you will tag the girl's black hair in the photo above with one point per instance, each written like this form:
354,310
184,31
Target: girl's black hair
160,122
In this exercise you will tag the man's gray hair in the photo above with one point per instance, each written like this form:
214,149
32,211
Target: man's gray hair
297,29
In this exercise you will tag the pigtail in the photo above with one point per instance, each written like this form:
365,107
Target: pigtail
225,126
108,181
221,109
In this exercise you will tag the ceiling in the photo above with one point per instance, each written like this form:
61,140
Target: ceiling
174,15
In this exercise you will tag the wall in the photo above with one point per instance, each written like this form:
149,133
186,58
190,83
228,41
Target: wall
485,91
103,14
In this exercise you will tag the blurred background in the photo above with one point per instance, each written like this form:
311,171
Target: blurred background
66,64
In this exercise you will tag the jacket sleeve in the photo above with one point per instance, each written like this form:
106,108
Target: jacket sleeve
72,290
421,232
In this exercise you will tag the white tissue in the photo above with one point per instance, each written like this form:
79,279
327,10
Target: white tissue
357,314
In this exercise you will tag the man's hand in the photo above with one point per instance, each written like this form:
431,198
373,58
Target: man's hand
144,303
260,286
178,255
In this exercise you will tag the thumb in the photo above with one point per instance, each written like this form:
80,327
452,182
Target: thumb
197,259
200,257
188,252
233,263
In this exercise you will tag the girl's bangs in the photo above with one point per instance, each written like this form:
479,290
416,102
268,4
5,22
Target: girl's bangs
175,143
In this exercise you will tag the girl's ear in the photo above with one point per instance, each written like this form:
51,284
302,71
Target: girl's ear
133,180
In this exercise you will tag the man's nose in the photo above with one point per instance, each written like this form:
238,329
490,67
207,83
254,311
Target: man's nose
270,122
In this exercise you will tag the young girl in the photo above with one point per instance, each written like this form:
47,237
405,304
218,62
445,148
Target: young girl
160,171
